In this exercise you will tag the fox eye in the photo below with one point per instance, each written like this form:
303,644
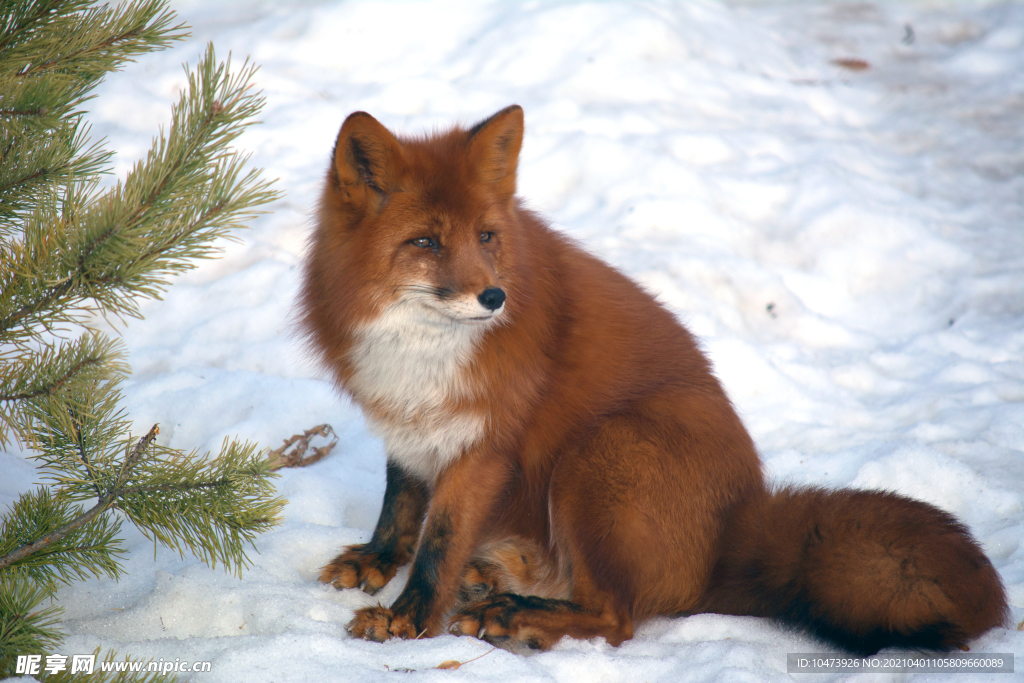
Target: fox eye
423,242
486,237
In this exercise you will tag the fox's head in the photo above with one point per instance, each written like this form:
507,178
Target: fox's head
422,223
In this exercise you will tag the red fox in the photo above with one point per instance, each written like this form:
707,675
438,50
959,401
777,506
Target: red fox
561,459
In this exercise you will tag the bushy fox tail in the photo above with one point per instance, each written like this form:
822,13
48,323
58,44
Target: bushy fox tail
864,570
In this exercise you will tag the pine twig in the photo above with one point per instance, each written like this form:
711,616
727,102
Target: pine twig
54,386
101,506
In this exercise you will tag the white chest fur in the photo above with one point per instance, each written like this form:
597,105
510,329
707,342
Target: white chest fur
408,366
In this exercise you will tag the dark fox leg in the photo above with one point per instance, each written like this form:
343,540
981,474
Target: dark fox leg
371,565
461,502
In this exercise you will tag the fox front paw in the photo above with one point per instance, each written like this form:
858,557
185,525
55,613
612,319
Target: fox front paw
359,567
380,623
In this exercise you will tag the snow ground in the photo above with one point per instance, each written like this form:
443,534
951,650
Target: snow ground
847,243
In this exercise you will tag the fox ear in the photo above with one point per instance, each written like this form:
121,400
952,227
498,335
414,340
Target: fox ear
366,158
495,144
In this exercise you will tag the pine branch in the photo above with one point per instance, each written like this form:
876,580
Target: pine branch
25,627
213,508
33,165
52,541
123,32
18,18
63,379
67,251
104,503
38,105
163,191
55,385
56,535
28,376
79,429
72,37
165,214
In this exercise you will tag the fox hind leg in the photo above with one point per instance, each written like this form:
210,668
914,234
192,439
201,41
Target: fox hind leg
508,620
516,620
513,595
522,599
631,532
512,565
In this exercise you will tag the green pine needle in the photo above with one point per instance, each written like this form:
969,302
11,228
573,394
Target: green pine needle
29,621
93,550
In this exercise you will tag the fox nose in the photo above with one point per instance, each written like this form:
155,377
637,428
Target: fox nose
492,298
